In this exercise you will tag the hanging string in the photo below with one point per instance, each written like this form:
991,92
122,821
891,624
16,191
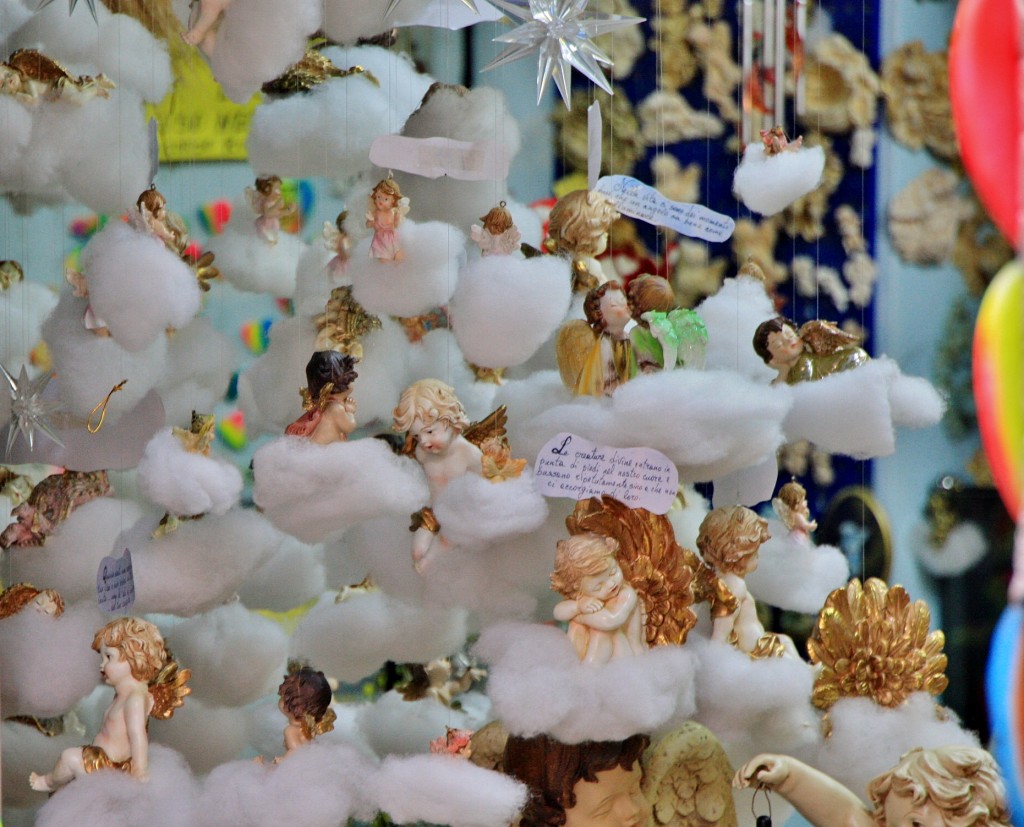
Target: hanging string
102,408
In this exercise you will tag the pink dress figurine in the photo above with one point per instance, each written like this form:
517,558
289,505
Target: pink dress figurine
387,210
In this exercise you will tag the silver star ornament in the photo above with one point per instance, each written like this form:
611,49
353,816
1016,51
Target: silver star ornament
470,4
560,32
29,411
71,7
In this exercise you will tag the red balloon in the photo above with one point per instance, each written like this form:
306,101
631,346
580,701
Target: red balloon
984,87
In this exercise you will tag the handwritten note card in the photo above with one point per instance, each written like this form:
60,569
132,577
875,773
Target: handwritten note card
571,466
639,200
115,583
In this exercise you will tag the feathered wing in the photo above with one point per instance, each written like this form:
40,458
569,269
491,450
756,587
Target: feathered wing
169,689
825,338
687,779
651,560
573,345
785,513
491,426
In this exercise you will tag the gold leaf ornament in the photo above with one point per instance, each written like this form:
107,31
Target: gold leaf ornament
872,641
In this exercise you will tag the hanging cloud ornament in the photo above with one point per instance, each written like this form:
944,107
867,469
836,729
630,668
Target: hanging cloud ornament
561,36
29,411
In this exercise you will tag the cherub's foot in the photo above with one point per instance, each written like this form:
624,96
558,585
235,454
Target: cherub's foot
42,783
193,36
399,256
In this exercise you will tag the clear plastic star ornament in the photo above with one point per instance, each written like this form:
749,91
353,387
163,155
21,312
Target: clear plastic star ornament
394,5
29,411
71,7
560,32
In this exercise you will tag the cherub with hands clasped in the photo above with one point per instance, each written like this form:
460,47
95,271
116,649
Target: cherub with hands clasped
605,616
956,786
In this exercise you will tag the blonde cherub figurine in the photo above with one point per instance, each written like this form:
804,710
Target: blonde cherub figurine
146,681
387,210
267,201
498,236
431,414
336,240
604,612
578,227
729,539
21,595
956,786
795,514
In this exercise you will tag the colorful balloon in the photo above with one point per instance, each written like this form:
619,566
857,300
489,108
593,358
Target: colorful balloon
998,357
984,88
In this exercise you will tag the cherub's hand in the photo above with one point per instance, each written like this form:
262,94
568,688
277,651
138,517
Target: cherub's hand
763,770
589,605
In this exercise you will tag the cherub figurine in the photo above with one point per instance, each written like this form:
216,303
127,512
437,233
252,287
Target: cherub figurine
816,350
578,227
327,398
795,514
146,681
306,701
775,141
50,503
666,335
267,201
387,210
10,274
153,217
430,413
45,601
336,240
454,742
596,362
202,29
729,539
590,784
343,324
605,616
951,786
498,236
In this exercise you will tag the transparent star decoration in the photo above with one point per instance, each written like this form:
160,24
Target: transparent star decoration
394,5
29,411
71,6
561,35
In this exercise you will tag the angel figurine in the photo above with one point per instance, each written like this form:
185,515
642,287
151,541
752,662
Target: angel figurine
816,350
776,141
267,201
336,240
794,513
595,362
305,699
147,683
50,503
457,743
498,236
442,439
327,399
16,597
578,227
665,335
729,540
152,216
387,210
202,26
942,787
604,613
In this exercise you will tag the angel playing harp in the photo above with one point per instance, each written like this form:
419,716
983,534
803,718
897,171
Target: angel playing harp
813,351
147,683
441,438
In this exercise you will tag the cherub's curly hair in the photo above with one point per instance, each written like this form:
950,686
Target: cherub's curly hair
329,366
16,597
389,186
592,304
305,691
963,782
765,329
140,643
430,401
793,494
728,536
497,220
579,556
550,770
265,183
578,220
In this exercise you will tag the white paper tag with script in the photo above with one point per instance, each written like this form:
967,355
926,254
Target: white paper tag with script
115,583
434,157
639,200
571,466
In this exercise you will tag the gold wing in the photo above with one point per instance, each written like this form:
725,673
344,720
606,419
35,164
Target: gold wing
652,562
708,587
575,341
169,689
825,338
492,425
687,779
37,66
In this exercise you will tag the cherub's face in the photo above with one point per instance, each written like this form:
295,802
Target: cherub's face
614,800
901,811
605,585
434,438
615,311
45,604
113,667
784,346
383,200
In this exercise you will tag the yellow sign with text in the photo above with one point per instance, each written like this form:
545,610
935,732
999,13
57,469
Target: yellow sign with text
197,121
